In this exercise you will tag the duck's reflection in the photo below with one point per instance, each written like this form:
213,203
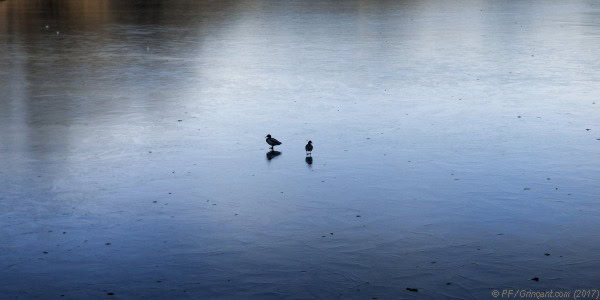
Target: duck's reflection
272,154
309,160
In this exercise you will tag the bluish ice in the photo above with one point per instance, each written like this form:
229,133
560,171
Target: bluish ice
456,144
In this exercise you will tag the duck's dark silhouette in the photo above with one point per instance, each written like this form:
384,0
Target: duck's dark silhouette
308,160
272,154
272,141
308,148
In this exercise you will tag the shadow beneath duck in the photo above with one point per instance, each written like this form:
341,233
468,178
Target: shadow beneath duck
272,154
309,160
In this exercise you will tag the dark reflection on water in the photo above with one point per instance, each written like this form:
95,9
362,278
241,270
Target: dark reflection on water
309,160
455,148
272,154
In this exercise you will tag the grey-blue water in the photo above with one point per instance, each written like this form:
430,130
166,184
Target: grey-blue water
456,144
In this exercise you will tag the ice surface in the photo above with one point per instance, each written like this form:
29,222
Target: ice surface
450,147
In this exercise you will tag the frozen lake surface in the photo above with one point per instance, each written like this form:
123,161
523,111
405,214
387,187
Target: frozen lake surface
457,143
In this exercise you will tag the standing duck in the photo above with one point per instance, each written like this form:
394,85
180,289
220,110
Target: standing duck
309,148
272,141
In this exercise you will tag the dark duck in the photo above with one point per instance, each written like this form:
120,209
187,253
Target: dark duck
272,141
308,148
